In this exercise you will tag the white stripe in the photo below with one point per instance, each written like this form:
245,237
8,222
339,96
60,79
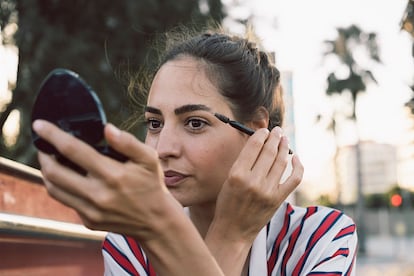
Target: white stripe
258,263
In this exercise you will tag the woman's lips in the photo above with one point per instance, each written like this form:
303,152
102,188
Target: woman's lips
171,178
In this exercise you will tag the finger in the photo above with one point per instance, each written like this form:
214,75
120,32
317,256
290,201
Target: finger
294,178
269,153
63,178
88,212
71,147
129,145
248,156
63,196
71,189
280,163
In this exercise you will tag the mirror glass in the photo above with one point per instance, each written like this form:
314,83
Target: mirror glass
67,101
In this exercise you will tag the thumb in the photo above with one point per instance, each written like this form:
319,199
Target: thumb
127,144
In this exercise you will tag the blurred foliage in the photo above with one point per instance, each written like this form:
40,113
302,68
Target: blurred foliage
376,201
8,13
407,24
325,200
100,40
343,47
410,103
407,21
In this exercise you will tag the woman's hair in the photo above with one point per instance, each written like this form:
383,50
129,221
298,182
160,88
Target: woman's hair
243,74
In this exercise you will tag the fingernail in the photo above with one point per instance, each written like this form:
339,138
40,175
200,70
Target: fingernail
278,131
37,125
113,130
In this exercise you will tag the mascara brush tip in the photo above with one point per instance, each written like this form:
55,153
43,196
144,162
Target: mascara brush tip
222,118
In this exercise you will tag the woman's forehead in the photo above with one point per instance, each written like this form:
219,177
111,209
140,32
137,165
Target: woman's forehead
183,81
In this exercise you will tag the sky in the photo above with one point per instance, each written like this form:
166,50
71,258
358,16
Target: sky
295,31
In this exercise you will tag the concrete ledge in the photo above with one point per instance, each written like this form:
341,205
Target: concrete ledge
23,225
20,170
22,193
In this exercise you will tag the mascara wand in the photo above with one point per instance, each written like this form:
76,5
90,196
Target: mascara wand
237,125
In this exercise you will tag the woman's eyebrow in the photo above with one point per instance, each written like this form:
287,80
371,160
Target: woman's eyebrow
191,107
152,110
180,110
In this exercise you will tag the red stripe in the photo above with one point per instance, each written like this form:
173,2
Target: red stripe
351,266
341,251
320,231
271,262
294,237
119,258
136,250
346,231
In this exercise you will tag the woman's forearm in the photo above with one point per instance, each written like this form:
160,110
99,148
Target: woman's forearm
179,249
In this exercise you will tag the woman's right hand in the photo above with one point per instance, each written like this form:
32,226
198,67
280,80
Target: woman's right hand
128,198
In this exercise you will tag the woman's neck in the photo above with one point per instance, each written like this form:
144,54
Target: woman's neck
201,216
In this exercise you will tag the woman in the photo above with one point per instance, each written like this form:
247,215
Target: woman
236,220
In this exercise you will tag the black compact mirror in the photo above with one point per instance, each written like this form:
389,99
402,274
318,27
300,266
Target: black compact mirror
68,102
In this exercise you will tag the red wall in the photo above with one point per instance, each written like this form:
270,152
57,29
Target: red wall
24,252
25,255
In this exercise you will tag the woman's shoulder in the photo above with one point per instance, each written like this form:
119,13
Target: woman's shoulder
311,220
312,212
309,239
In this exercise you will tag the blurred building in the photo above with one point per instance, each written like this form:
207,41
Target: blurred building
289,124
406,155
378,169
286,81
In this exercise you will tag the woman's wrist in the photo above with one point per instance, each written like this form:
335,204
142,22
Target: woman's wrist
176,247
225,233
229,249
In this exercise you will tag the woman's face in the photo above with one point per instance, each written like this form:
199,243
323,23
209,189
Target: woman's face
195,149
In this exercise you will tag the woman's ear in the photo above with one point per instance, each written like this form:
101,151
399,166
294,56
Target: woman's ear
260,118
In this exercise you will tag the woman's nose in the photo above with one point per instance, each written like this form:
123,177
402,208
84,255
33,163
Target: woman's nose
168,144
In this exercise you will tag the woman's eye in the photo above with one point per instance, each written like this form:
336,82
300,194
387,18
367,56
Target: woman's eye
196,124
154,124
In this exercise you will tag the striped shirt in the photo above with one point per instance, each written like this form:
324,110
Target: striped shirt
297,241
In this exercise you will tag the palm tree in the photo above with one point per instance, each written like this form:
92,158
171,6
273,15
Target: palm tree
344,47
331,126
